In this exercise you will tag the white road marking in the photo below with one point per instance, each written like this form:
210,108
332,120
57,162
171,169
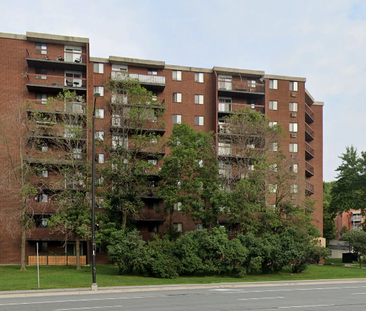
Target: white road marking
262,298
306,306
89,308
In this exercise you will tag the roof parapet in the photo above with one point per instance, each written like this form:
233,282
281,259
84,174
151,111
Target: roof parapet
43,37
137,62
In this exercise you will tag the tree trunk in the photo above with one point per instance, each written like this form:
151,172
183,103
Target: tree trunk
77,241
22,244
124,219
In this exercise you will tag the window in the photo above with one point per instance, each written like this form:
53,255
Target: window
177,97
199,120
99,158
178,226
152,72
293,188
153,205
225,104
99,89
119,140
199,77
273,105
98,68
41,98
99,113
177,75
42,247
42,173
154,140
44,148
294,168
116,67
73,54
293,107
73,79
99,135
273,84
293,86
178,206
42,198
198,99
40,73
272,188
152,161
273,167
293,147
198,227
41,221
273,146
272,123
293,127
177,119
77,153
251,83
41,48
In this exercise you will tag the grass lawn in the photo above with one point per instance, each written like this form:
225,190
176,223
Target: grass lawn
11,278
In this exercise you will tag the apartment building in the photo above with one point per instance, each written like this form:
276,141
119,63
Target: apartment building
38,66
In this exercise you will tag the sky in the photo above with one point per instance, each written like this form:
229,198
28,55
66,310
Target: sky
321,40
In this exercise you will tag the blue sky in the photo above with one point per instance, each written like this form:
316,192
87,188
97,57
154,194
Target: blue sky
322,40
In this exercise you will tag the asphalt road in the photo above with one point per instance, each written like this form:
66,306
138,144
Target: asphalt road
326,295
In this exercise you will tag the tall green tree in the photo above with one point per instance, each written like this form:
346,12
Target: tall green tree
190,176
132,150
329,227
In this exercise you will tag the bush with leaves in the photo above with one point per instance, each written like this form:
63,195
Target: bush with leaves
129,251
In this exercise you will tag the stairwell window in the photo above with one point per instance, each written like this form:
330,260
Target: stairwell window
293,127
273,105
295,168
99,113
99,135
293,86
272,123
177,97
293,107
177,75
293,147
178,226
99,158
199,77
273,84
273,147
293,188
99,89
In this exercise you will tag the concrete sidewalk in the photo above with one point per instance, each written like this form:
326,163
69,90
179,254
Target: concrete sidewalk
147,288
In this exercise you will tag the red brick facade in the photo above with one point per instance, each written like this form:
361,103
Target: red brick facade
31,65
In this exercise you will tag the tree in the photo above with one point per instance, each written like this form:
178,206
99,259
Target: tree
63,133
133,149
329,227
16,174
189,179
357,240
348,191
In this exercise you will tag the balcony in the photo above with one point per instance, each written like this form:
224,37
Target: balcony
309,189
309,133
43,83
309,114
152,82
309,151
240,88
70,60
51,132
145,126
56,107
309,170
227,108
357,218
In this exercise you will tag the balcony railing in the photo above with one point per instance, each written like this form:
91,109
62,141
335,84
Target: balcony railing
309,150
52,81
309,114
309,188
143,79
240,86
309,132
357,218
53,56
44,106
309,169
232,107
